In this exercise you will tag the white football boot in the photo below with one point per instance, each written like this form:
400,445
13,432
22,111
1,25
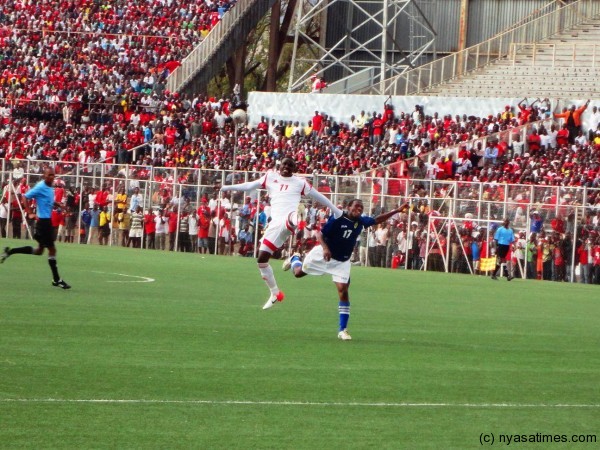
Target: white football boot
273,299
344,335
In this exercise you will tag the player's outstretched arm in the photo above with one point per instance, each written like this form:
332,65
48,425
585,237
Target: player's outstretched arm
316,195
248,186
385,216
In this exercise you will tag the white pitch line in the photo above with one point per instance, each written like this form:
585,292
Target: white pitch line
143,279
298,403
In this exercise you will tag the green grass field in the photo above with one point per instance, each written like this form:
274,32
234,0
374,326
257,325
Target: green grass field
190,360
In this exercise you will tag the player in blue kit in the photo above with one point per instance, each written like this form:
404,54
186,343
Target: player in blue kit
332,255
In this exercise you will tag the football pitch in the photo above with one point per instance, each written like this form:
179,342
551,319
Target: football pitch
168,350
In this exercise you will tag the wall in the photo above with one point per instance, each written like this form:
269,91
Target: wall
301,107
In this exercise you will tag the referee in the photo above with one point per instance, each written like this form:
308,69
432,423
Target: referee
43,193
503,237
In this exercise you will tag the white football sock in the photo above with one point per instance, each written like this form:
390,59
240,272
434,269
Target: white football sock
267,274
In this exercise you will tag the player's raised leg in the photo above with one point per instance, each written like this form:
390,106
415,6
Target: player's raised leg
292,262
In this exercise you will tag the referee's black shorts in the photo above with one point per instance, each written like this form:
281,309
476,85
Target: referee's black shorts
44,233
502,250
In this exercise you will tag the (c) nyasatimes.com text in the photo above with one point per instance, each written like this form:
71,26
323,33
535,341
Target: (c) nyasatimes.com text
539,438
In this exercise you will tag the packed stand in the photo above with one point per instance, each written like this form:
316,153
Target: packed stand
87,76
169,130
85,81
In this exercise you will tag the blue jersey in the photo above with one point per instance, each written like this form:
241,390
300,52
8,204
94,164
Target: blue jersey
341,234
536,225
44,197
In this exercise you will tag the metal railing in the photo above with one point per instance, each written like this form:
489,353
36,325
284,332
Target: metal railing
548,7
560,54
355,82
496,48
454,202
509,136
193,63
441,208
196,183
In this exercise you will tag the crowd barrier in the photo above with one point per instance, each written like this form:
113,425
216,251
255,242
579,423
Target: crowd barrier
441,208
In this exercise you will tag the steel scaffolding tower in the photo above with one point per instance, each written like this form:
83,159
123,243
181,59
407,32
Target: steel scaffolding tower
350,42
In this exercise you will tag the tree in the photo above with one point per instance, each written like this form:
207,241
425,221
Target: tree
278,37
264,62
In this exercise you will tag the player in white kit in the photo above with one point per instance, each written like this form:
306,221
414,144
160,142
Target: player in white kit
285,191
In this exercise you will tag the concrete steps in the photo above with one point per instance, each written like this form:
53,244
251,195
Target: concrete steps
566,65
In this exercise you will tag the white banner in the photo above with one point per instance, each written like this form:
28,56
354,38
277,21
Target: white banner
339,107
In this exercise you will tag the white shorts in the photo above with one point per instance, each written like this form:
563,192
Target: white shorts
135,233
276,234
314,264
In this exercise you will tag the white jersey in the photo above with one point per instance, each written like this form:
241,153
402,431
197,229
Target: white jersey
284,192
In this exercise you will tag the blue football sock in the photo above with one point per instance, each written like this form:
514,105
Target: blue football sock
344,309
296,262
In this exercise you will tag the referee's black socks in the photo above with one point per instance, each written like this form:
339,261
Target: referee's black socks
52,263
28,250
